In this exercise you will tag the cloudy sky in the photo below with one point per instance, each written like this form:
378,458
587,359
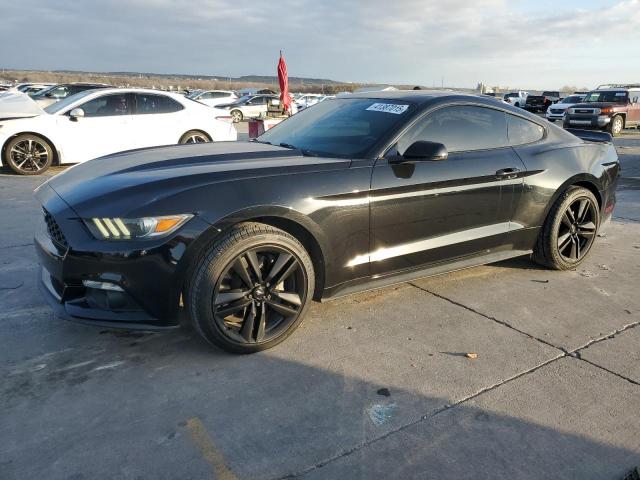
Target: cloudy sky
527,43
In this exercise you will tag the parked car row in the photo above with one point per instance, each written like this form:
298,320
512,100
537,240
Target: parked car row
611,108
102,121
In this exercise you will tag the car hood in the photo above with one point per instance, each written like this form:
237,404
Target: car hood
149,181
18,105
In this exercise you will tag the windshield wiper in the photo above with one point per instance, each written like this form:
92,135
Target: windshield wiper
255,140
305,152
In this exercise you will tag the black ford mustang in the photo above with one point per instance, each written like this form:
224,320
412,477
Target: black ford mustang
354,193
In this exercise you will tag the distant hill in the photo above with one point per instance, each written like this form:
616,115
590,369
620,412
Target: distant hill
244,78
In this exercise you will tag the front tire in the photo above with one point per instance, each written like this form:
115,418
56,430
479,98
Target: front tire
250,289
28,154
616,126
569,231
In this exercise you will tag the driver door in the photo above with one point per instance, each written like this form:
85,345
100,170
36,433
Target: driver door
255,106
104,128
427,212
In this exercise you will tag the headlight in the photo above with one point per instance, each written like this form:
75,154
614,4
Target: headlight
131,228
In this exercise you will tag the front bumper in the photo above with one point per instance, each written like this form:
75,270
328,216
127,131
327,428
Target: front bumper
148,275
587,121
555,116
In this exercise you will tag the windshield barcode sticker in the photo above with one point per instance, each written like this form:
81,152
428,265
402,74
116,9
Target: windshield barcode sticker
388,108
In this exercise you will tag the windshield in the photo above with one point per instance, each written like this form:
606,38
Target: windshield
347,128
195,94
608,96
572,99
44,91
65,102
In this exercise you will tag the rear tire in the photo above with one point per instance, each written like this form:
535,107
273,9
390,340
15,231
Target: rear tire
237,116
250,289
28,154
569,230
194,136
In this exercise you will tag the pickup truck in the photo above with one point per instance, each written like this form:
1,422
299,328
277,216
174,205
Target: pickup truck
517,99
540,103
611,109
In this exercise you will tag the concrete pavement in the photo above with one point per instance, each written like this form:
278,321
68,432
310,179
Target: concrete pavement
375,385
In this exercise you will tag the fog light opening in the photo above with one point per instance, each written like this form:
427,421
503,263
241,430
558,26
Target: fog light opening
102,285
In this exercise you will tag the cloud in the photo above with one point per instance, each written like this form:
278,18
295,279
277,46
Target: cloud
410,41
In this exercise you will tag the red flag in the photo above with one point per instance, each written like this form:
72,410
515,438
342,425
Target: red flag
283,79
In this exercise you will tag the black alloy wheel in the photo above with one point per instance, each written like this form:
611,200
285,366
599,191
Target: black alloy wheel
577,229
569,231
249,290
259,295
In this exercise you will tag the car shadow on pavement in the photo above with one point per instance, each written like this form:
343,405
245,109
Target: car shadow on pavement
137,405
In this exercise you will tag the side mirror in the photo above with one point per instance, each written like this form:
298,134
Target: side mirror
421,151
76,113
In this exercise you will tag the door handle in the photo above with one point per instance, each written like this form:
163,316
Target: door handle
507,173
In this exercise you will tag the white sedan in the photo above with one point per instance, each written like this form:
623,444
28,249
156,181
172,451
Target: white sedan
100,122
213,97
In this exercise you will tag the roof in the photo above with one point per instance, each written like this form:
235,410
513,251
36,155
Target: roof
416,96
375,88
617,89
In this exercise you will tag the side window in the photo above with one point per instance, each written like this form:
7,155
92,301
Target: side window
149,104
206,96
460,129
523,131
107,106
219,94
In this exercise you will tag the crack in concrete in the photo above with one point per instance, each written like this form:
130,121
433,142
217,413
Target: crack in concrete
17,245
564,353
630,380
500,322
626,218
577,352
360,446
608,336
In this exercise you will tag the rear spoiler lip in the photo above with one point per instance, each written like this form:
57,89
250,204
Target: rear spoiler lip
591,135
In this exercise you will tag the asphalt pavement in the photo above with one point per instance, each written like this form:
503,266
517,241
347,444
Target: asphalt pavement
507,371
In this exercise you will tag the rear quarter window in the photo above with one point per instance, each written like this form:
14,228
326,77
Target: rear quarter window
521,131
154,104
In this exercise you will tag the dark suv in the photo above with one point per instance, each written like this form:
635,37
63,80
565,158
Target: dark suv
611,108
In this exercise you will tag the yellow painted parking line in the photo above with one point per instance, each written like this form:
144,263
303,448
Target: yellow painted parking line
207,448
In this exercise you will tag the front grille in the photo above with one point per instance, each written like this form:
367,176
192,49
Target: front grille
589,111
556,111
54,230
